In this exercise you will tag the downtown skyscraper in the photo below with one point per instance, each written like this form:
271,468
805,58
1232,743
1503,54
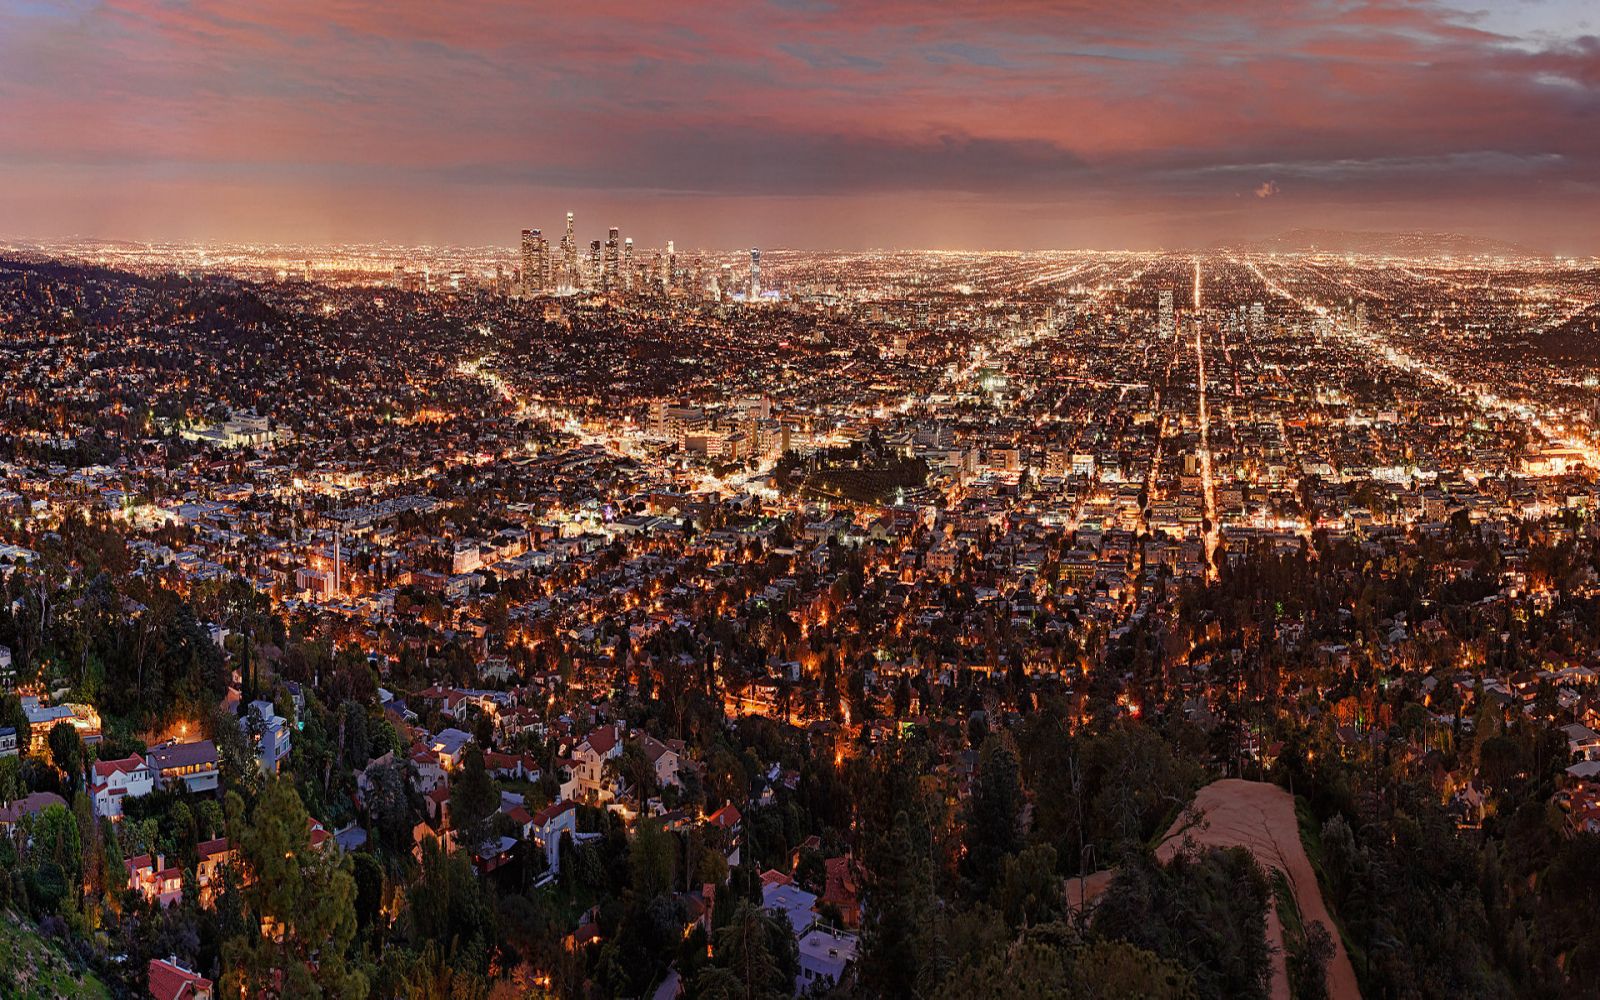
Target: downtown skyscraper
608,279
535,262
569,257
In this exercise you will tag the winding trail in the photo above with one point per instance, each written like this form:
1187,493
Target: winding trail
1259,817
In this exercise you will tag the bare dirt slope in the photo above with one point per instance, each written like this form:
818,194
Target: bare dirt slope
1260,817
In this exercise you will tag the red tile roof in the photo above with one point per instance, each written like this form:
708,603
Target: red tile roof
104,769
550,812
171,982
602,740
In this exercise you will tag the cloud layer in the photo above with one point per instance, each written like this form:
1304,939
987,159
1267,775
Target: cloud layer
805,122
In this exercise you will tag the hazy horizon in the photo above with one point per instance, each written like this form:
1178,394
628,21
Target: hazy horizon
45,243
801,123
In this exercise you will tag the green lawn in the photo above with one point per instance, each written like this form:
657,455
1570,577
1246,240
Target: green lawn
36,970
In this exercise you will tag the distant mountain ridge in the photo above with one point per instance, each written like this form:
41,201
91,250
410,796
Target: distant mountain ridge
1413,244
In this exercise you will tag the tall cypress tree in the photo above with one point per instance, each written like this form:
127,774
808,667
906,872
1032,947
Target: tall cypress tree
897,930
994,815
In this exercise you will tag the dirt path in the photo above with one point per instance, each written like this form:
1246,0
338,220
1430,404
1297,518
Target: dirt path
1260,817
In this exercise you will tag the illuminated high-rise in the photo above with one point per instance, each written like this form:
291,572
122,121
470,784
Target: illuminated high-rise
569,256
608,280
755,273
1166,325
627,263
531,281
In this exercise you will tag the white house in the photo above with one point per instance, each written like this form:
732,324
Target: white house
451,746
664,757
194,764
269,731
549,824
824,955
1582,742
590,756
113,781
796,904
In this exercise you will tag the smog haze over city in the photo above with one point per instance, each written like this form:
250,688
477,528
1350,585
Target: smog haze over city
804,123
800,498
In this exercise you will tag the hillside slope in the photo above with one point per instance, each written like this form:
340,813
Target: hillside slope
35,969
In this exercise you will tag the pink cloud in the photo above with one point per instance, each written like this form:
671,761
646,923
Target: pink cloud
1010,101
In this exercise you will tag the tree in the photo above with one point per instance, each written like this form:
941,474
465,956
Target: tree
236,758
473,800
368,874
1025,970
1116,970
651,859
900,905
1308,964
11,786
12,716
1030,889
389,808
66,752
812,871
54,840
994,815
448,905
1205,911
755,958
304,900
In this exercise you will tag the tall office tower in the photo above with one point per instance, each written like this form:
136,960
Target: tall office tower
627,263
530,261
1258,317
671,264
399,279
1165,324
1361,317
307,273
569,256
595,271
608,280
541,263
755,273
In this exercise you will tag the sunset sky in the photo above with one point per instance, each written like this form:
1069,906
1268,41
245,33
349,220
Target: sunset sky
961,123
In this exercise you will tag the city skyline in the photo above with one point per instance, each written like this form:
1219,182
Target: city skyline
800,500
805,125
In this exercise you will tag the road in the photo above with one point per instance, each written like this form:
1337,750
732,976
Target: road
1208,487
1549,423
